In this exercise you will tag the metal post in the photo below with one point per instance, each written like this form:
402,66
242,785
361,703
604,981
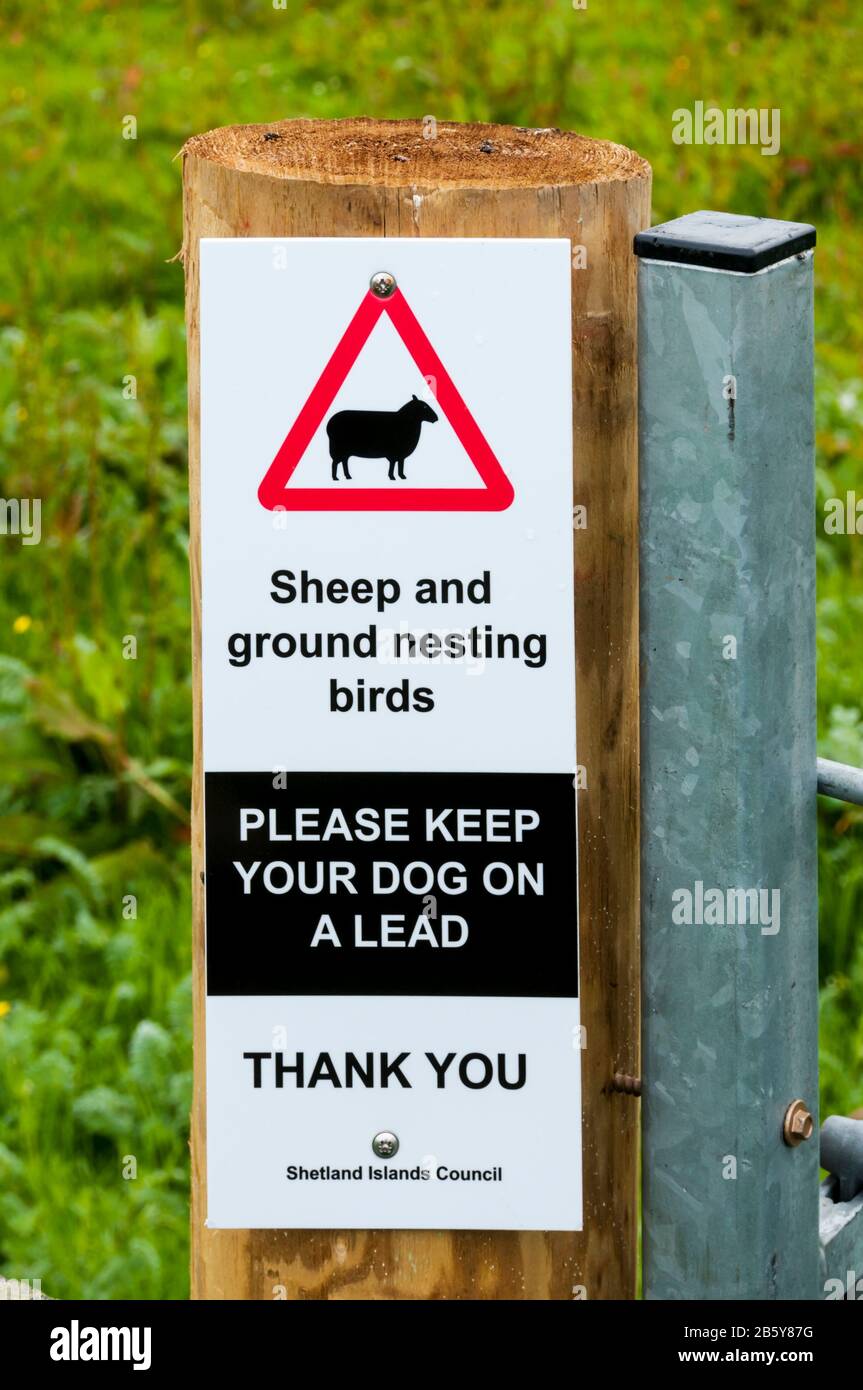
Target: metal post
728,759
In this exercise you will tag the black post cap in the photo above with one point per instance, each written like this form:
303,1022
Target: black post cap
724,241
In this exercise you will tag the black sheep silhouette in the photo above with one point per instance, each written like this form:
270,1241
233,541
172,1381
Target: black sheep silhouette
377,434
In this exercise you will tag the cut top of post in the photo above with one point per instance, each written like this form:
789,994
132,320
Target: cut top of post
438,154
724,241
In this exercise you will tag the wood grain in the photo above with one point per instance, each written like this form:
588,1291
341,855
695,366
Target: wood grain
376,178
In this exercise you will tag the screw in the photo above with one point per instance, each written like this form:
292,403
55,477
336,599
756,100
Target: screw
382,284
798,1124
385,1144
624,1083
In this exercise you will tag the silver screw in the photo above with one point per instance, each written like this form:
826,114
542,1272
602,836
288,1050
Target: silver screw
385,1144
382,284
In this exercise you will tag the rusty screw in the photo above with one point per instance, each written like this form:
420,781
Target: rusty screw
625,1084
798,1124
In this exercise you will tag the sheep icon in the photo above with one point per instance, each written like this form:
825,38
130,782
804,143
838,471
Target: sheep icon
377,434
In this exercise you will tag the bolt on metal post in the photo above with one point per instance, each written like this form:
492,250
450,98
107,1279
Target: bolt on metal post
728,780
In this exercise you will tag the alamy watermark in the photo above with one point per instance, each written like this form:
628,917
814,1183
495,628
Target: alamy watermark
21,517
727,907
843,516
735,126
77,1343
850,1289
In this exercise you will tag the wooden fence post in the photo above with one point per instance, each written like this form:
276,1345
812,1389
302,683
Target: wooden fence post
364,178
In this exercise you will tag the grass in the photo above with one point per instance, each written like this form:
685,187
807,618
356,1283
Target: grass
95,1051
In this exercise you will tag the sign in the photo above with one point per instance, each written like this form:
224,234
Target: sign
393,1033
273,493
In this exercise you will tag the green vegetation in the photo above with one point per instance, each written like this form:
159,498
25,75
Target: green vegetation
95,1053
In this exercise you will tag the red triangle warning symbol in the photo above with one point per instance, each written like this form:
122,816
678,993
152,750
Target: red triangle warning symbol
275,490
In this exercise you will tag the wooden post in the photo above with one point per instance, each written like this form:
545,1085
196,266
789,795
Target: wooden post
404,179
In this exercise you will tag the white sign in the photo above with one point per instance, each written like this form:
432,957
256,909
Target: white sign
389,734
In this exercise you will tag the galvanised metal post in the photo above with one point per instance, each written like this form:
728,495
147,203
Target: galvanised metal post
728,761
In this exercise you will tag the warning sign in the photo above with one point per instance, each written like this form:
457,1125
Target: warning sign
393,1032
376,434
